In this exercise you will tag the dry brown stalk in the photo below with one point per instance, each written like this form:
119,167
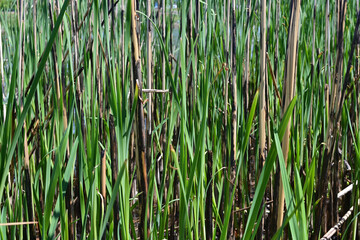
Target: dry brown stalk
17,223
140,127
289,94
208,209
149,120
262,99
114,169
233,151
262,109
246,78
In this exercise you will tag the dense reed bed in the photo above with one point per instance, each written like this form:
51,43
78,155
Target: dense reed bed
214,119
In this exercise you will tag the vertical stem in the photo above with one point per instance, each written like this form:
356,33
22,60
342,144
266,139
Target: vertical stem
140,126
228,60
123,42
276,181
245,94
312,62
190,93
262,106
163,54
27,180
289,93
233,151
208,210
148,66
269,190
336,88
197,30
2,109
262,110
357,68
247,63
171,26
327,43
37,109
334,108
149,83
163,81
114,169
34,30
319,209
313,39
205,21
174,209
62,109
103,178
357,86
160,163
100,84
225,133
76,192
276,55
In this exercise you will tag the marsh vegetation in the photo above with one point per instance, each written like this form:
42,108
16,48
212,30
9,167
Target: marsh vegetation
213,119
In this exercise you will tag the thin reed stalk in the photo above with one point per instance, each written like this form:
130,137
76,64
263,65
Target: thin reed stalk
140,129
288,94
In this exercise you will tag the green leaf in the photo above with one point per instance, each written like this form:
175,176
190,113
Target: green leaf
265,174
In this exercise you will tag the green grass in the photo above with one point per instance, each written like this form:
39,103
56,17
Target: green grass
66,74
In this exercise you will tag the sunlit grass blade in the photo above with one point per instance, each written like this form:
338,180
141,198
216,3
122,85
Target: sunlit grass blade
265,174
